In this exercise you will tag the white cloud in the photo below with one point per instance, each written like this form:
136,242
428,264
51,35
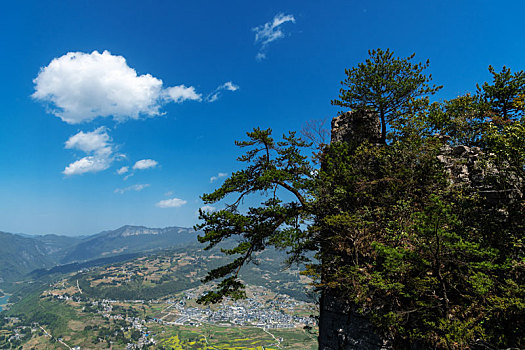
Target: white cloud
137,188
208,208
219,175
80,87
171,203
123,170
230,86
145,164
98,147
181,93
269,32
215,94
139,165
169,193
90,164
94,141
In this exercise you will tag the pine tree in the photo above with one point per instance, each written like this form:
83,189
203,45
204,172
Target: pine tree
278,174
506,94
385,84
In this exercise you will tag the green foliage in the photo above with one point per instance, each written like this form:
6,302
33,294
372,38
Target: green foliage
136,290
461,119
54,315
427,260
276,172
507,143
506,94
385,84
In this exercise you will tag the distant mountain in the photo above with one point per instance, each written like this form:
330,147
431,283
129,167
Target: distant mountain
129,239
56,245
21,254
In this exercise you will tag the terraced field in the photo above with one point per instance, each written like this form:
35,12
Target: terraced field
213,337
154,308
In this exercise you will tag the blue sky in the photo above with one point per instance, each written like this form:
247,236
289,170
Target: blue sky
165,87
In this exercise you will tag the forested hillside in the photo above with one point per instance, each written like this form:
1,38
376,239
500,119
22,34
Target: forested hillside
21,254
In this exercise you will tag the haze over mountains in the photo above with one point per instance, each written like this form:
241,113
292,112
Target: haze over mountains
20,254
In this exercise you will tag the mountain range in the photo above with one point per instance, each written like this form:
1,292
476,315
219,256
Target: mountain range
20,253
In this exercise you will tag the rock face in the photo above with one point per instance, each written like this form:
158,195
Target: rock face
340,327
469,167
356,127
463,165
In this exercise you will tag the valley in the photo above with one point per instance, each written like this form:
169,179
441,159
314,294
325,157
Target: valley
147,299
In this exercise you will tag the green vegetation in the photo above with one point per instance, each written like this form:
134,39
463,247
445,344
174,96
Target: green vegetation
426,261
51,313
213,337
158,275
44,311
426,244
385,84
272,166
505,96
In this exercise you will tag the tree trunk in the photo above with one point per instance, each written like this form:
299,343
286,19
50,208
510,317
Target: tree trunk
383,127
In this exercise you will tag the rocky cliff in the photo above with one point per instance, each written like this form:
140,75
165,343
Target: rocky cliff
467,167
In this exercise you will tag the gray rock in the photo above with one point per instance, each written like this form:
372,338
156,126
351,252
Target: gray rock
356,127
